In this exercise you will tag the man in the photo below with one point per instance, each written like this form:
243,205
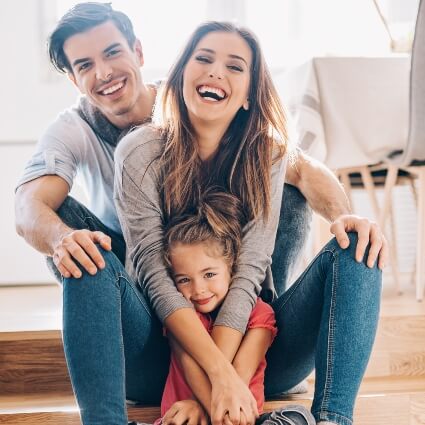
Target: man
97,49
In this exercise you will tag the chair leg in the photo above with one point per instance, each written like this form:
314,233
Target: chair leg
420,246
385,211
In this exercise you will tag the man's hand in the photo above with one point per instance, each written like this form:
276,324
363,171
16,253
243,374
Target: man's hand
368,233
188,412
78,246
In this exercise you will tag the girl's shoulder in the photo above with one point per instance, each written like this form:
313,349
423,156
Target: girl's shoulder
141,146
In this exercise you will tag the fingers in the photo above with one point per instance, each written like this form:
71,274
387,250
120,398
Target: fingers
339,230
363,234
234,414
378,248
368,233
79,247
226,420
169,415
243,420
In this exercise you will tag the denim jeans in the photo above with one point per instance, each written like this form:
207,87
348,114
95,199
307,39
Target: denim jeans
327,319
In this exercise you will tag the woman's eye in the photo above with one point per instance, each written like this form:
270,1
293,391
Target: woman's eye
204,59
210,275
235,68
112,53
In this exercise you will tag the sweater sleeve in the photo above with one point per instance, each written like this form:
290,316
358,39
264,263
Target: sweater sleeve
138,202
254,259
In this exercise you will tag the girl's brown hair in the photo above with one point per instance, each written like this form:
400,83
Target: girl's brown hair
254,140
219,218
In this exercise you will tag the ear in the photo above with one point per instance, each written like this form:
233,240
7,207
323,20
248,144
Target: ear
72,78
139,52
246,105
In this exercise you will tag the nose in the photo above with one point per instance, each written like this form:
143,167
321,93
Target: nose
198,287
103,71
216,71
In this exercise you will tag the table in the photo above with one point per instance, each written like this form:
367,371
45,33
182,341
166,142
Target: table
348,111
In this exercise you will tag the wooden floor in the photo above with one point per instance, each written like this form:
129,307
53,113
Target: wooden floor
35,388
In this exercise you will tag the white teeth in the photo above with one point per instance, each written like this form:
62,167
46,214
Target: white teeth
217,91
113,88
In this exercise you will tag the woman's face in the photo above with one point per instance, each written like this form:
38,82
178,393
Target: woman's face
216,78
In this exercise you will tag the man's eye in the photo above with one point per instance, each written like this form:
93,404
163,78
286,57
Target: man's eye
210,275
204,59
84,66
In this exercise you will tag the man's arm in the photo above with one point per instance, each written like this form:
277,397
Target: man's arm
36,221
319,185
326,196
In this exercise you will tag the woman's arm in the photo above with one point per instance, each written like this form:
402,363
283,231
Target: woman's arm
254,259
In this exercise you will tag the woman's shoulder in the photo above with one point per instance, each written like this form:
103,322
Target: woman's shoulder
141,146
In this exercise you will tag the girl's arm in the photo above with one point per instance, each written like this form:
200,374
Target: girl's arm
252,350
195,376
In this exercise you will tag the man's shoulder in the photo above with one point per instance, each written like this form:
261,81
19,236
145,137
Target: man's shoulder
142,145
67,125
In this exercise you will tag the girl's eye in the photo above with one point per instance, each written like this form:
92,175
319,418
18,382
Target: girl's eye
210,275
204,59
182,281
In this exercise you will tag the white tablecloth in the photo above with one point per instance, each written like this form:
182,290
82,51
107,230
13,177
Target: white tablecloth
348,111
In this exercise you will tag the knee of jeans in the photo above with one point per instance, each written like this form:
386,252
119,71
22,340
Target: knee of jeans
108,274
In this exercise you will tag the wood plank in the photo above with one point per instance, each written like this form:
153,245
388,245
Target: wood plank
401,334
382,409
33,366
417,409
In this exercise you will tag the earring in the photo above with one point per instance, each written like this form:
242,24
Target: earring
246,105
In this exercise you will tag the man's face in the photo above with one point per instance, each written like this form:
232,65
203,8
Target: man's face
106,69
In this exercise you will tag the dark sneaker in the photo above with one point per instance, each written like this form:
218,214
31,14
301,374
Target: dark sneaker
290,415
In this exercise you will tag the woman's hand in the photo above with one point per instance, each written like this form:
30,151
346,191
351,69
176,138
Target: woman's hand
188,412
231,400
368,233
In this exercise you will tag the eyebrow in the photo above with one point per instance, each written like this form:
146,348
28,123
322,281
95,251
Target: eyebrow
201,271
231,55
81,60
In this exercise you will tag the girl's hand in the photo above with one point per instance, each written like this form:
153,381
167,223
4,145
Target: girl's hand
185,411
231,400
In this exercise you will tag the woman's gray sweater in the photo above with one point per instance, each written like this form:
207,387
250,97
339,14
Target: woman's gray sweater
138,200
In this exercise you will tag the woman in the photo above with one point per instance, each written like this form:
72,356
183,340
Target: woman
223,124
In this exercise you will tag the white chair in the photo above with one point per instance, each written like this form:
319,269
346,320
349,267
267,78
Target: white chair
405,165
412,158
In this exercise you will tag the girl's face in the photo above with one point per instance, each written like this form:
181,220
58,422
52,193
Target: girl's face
201,274
216,78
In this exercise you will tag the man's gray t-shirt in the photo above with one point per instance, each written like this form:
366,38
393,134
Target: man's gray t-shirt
70,148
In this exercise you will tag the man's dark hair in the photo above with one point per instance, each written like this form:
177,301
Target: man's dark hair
80,18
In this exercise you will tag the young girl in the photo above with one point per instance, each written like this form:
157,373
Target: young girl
201,250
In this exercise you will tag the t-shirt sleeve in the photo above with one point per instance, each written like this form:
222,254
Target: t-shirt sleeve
139,207
58,151
262,316
254,258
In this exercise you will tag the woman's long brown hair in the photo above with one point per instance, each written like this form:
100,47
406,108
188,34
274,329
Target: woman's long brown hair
253,141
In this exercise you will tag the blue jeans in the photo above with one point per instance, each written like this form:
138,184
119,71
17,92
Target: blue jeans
115,349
